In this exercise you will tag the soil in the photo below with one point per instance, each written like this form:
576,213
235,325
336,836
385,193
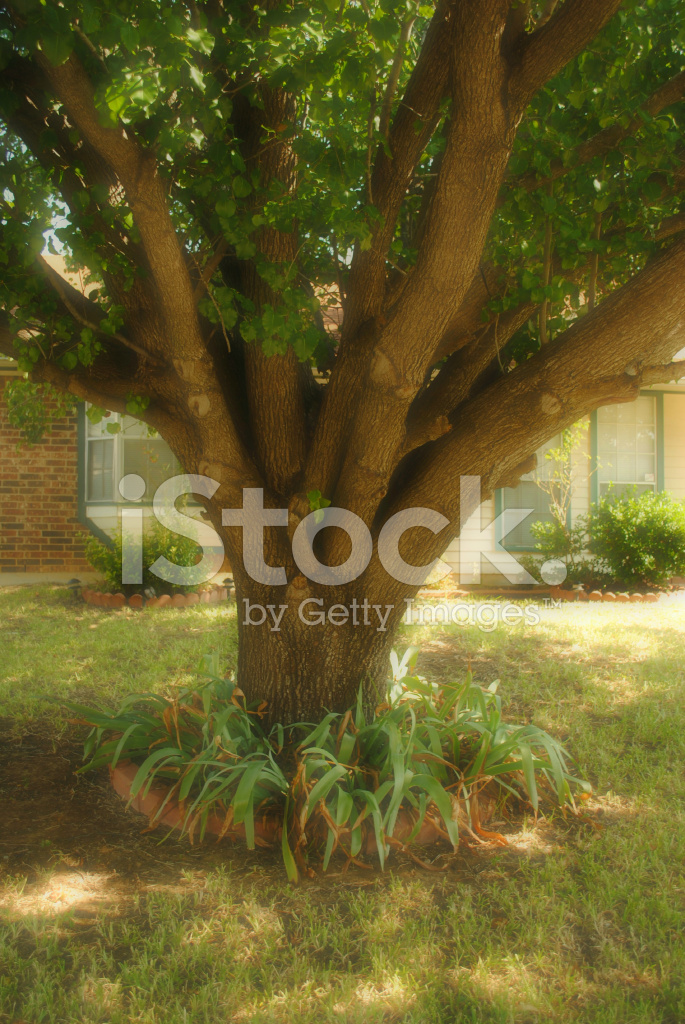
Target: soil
53,817
67,825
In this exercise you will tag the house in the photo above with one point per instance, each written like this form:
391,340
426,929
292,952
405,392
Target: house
66,486
641,443
59,490
54,492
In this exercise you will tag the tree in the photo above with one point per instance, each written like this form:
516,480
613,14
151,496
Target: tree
489,189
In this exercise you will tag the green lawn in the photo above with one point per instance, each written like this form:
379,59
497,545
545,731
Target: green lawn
573,921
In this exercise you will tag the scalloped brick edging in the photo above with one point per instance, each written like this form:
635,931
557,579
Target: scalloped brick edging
268,828
603,595
98,599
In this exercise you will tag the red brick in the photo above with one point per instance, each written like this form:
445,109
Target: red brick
39,499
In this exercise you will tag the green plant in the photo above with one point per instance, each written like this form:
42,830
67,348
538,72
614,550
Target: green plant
426,752
157,542
563,538
639,538
32,408
592,573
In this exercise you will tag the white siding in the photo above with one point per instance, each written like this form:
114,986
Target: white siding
674,445
582,473
452,555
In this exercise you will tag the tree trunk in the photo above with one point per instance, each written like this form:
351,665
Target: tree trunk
303,666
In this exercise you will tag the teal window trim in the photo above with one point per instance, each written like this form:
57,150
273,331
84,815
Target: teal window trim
499,536
81,478
500,539
660,454
594,457
518,548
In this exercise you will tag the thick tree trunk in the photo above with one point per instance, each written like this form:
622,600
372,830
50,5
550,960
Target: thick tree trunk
306,650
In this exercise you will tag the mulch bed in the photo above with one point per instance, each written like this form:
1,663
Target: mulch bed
55,820
51,817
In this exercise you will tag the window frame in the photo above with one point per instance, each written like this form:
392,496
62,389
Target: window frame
659,485
117,440
501,540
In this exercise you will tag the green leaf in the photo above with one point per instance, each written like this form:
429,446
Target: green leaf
245,249
200,39
288,859
57,48
323,787
241,187
197,77
144,771
244,794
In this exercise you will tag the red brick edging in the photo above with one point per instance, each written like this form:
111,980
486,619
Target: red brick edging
602,595
100,600
268,828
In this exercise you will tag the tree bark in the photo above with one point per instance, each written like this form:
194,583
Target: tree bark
301,667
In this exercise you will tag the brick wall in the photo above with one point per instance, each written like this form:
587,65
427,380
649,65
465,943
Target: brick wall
39,527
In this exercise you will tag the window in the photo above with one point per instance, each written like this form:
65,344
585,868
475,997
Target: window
626,445
528,495
109,457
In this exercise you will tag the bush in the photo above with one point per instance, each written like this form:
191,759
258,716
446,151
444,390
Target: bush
567,544
589,572
425,751
640,539
157,542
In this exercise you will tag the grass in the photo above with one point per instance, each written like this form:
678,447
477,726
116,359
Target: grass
572,922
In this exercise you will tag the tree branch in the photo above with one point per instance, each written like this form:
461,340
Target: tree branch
604,358
394,76
670,226
478,145
459,376
663,374
547,13
137,171
87,313
392,173
107,382
274,384
546,52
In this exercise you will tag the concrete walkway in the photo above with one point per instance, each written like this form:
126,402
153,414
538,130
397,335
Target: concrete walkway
30,579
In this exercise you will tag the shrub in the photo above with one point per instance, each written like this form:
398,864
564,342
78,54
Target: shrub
157,542
425,751
590,572
639,538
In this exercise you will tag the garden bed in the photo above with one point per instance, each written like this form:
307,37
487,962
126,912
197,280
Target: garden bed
269,826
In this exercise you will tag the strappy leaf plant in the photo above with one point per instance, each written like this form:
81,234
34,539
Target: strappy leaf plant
356,783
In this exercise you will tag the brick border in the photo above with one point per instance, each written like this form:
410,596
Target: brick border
98,599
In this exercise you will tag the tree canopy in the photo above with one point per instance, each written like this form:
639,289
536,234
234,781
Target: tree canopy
354,247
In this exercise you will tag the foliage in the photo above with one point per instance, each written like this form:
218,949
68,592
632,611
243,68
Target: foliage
158,542
162,71
640,538
590,572
426,752
561,538
32,408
